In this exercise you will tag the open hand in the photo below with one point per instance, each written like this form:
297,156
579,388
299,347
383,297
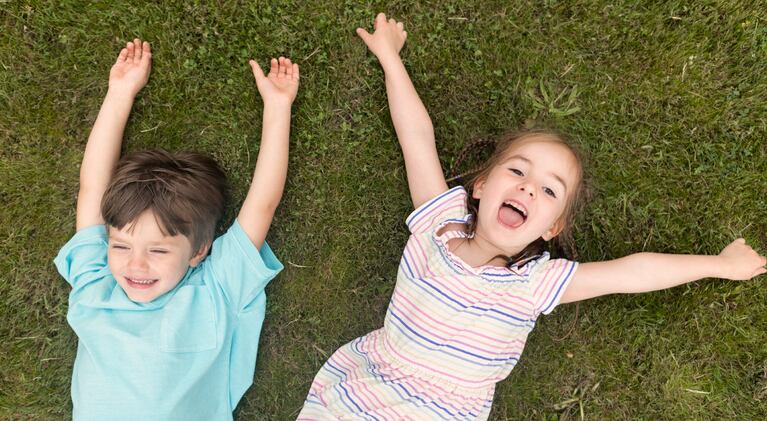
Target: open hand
388,38
741,262
130,72
281,86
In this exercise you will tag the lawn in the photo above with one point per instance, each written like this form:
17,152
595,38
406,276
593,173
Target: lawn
668,99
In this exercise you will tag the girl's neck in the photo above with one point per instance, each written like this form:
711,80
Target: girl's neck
477,251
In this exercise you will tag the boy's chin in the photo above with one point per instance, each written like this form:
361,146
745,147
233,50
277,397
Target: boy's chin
141,298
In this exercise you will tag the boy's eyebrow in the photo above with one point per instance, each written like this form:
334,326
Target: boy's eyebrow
115,234
559,179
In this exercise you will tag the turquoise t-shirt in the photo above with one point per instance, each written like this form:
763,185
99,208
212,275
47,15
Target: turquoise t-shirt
190,354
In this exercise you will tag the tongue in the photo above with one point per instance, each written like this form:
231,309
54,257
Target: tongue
510,217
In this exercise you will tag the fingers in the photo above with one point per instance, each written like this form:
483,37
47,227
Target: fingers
285,67
137,50
257,72
365,35
146,52
123,55
380,19
280,68
130,52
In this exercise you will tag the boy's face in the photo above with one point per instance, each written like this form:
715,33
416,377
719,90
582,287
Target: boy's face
146,263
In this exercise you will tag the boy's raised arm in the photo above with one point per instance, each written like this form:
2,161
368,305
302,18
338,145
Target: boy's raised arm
129,74
411,120
278,90
643,272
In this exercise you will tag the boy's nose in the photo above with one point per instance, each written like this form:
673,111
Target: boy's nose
137,262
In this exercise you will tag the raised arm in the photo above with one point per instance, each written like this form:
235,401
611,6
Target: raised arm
411,120
643,272
278,90
129,74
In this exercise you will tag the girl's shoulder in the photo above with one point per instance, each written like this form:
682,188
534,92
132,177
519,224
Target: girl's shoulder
447,207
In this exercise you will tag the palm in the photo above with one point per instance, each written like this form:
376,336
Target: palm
131,70
282,82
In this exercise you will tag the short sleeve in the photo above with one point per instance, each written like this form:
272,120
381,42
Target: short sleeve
239,268
448,205
550,281
83,259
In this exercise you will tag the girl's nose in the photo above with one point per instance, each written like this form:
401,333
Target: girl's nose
527,188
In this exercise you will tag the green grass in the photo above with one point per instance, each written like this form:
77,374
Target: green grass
670,106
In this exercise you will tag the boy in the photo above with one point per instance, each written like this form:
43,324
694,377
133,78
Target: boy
166,331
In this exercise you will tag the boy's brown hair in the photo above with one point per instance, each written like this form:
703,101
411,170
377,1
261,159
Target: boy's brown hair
563,245
186,191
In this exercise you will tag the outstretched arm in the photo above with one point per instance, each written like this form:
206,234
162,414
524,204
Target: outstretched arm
643,272
129,74
411,120
278,90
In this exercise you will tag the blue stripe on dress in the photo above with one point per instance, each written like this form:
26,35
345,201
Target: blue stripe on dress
399,384
561,285
429,204
407,326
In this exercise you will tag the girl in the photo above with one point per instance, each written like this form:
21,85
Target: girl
462,308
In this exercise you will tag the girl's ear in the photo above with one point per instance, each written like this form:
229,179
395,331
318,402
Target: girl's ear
555,229
479,185
197,258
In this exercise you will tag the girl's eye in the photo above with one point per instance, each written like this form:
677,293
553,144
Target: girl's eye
516,171
549,192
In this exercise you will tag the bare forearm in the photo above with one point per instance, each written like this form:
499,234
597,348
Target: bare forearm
103,148
644,272
654,271
269,176
101,154
409,116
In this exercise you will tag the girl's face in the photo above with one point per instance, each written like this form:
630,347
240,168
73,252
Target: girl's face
524,197
145,262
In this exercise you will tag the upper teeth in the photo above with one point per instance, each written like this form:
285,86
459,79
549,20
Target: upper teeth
516,206
139,281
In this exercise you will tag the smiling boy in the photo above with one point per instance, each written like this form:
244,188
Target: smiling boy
167,331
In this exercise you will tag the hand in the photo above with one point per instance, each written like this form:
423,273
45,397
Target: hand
130,72
387,39
281,86
741,262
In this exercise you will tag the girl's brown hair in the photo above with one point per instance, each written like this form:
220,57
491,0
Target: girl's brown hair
563,245
186,191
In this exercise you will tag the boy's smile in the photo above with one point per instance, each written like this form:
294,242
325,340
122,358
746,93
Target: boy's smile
147,263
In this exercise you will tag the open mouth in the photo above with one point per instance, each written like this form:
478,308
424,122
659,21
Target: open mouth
512,214
140,283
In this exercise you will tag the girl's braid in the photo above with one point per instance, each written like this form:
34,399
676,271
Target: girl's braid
475,148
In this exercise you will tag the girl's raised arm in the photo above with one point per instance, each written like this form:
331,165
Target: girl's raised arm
644,272
411,120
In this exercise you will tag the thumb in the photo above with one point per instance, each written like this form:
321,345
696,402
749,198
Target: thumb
365,35
257,72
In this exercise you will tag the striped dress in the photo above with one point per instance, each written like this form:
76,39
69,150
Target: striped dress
451,331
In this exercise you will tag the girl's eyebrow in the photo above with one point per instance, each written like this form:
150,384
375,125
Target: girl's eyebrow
559,179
